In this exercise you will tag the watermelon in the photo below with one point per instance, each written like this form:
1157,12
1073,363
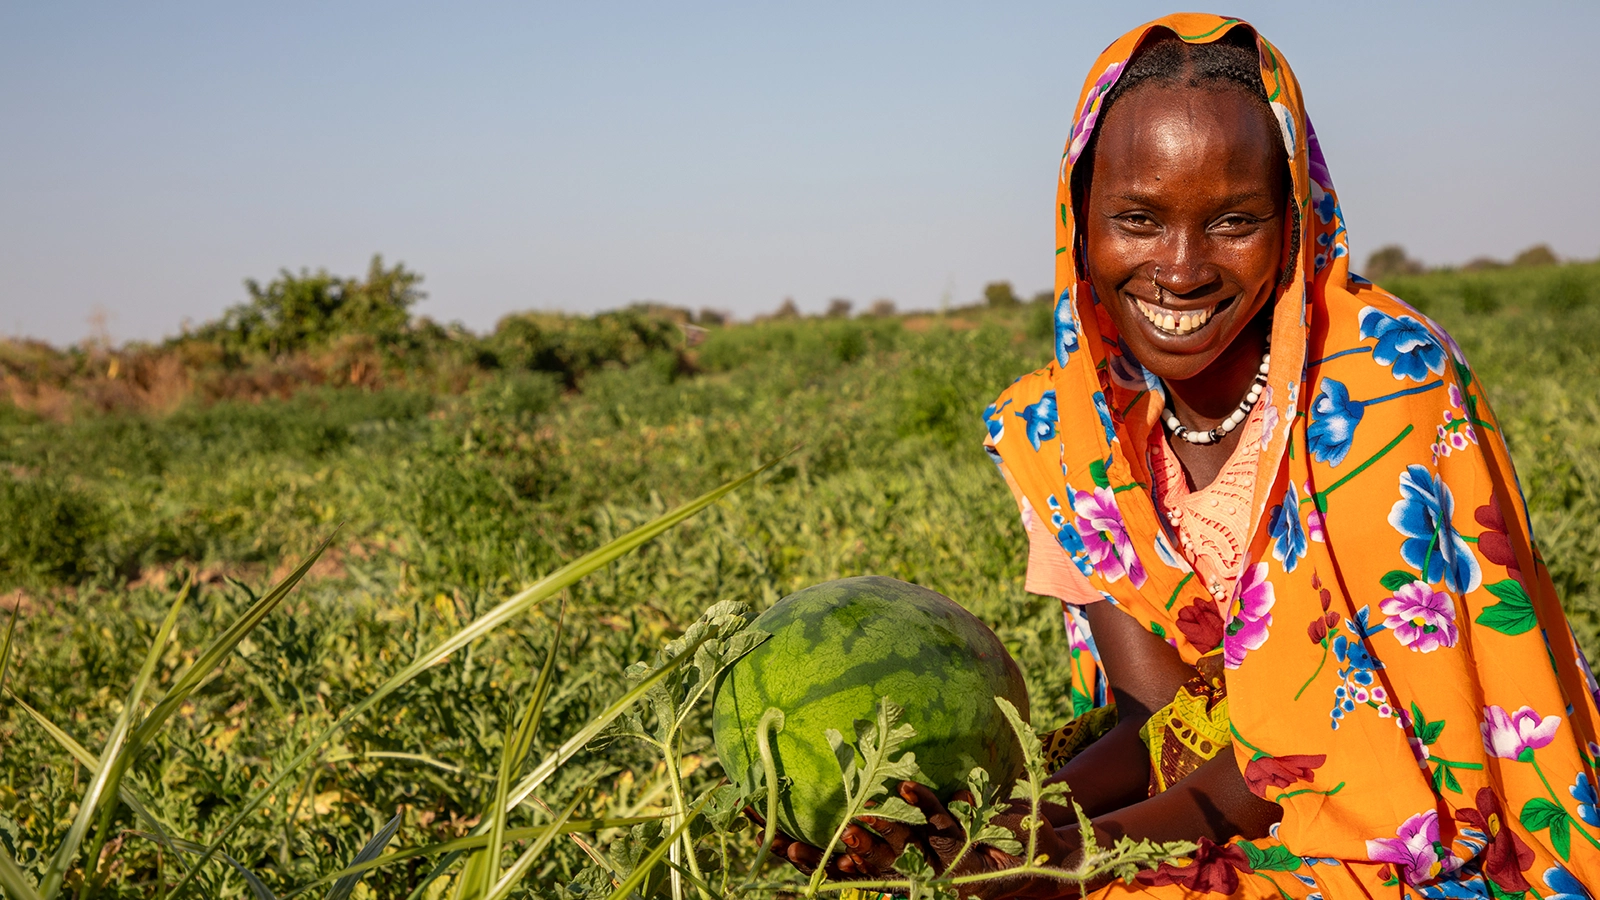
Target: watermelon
836,648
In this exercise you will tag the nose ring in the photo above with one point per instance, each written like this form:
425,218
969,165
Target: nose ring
1156,284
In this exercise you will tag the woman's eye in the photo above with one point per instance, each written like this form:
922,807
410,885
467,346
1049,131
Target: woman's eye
1137,220
1235,223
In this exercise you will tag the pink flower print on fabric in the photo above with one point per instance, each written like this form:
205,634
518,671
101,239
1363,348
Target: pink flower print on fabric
1512,735
1269,417
1414,850
1420,617
1316,522
1106,538
1084,128
1247,628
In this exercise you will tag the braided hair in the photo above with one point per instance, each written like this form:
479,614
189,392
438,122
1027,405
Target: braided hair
1230,63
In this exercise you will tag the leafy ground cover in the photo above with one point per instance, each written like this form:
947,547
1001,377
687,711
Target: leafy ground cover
447,494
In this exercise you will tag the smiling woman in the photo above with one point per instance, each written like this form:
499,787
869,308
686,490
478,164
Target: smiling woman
1335,658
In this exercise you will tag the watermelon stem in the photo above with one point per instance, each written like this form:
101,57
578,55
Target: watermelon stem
772,718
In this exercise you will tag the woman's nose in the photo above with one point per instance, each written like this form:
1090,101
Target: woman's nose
1182,268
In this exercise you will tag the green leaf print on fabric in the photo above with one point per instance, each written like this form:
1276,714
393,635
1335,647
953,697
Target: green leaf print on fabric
1097,471
1271,859
1395,579
1539,814
1513,614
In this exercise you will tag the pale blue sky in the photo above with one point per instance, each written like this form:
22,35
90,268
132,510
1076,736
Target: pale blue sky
580,156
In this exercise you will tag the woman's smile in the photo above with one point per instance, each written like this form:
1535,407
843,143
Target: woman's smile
1168,322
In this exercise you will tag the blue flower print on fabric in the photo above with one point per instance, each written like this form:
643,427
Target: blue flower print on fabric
994,421
1423,514
1105,415
1334,417
1583,791
1288,537
1357,669
1403,343
1566,886
1066,328
1068,537
1323,202
1129,372
1040,419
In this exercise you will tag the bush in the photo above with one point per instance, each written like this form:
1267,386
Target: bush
51,531
296,312
1479,298
1565,293
999,294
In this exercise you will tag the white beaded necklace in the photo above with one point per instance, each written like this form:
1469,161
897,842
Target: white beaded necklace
1233,420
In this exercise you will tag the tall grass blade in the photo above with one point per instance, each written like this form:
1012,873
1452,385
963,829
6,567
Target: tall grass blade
576,826
91,762
643,869
256,885
344,886
518,869
214,654
540,590
112,765
513,754
5,649
587,733
12,879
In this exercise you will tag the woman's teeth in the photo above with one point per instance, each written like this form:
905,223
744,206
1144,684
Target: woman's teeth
1175,323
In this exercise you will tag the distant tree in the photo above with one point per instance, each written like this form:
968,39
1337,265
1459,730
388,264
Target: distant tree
787,310
1044,298
839,308
294,312
882,308
709,316
1537,255
1387,262
999,294
1482,264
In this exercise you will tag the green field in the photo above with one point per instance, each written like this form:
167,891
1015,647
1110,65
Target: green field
460,469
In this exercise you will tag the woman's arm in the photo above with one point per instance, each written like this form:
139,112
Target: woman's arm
1145,674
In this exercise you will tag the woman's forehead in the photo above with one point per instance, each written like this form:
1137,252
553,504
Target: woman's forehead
1179,127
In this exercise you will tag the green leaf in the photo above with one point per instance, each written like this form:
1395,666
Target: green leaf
1539,814
1277,858
1395,579
1561,836
653,859
1450,779
1430,734
1513,614
1081,702
1097,471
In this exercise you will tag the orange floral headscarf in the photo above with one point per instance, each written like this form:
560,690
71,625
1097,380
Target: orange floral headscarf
1400,676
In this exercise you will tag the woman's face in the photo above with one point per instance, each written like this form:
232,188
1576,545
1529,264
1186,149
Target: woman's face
1188,190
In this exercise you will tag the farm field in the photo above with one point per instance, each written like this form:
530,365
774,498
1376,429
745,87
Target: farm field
454,472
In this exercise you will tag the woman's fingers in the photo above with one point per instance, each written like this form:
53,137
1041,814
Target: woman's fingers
868,853
921,796
805,857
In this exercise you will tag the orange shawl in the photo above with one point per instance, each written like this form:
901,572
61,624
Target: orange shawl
1401,678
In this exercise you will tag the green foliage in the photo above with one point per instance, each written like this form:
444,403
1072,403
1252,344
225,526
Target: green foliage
297,312
51,530
452,499
999,294
572,347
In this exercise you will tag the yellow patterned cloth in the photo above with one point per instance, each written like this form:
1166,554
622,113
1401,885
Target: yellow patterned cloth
1190,730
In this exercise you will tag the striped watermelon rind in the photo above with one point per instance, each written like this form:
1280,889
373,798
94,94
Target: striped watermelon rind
836,648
